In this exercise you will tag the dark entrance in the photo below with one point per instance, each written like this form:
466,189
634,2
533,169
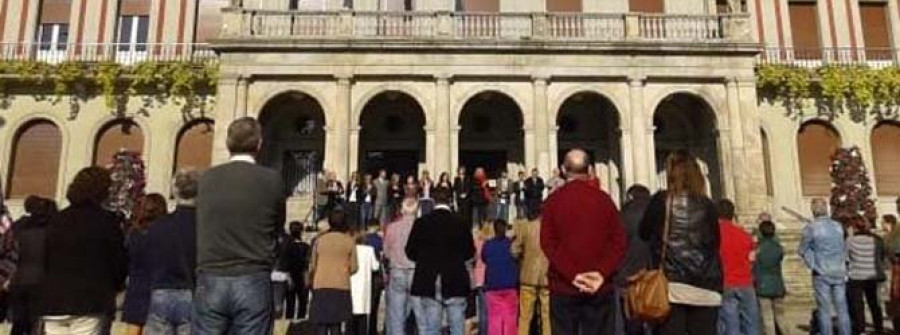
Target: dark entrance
491,135
404,163
686,122
589,121
294,140
392,135
492,161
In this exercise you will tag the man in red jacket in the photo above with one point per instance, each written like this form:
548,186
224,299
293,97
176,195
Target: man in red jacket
584,240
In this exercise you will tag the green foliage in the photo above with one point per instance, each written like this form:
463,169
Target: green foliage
834,88
183,81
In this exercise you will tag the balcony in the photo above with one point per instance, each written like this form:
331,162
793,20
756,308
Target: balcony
384,29
106,52
812,58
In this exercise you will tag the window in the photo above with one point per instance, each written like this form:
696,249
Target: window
118,135
875,30
53,36
34,167
816,142
646,6
886,158
209,18
133,30
194,148
805,29
396,5
555,6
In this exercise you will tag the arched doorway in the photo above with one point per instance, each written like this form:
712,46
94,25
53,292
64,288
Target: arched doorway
686,122
816,143
491,134
194,147
294,139
886,158
590,121
117,135
34,164
392,134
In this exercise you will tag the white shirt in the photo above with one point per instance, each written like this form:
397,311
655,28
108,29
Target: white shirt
361,281
243,158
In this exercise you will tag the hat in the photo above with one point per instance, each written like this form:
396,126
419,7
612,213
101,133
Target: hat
410,207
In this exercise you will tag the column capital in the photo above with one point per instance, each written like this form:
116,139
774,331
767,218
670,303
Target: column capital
343,79
443,77
637,80
540,79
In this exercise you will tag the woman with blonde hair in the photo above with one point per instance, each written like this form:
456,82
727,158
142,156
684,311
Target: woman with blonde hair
681,226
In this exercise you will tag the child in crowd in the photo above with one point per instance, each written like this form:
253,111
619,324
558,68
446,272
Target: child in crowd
479,307
769,280
361,285
501,282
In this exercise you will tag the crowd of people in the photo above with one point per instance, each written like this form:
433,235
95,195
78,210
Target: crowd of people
445,254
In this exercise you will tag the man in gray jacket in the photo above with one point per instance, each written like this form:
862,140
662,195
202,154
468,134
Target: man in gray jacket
381,197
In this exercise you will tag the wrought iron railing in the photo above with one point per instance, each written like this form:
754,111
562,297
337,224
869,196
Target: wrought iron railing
104,52
815,57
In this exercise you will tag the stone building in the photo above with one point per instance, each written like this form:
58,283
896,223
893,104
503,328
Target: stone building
414,85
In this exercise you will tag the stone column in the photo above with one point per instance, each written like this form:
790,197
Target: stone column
440,152
454,148
554,146
338,145
231,99
541,126
353,163
737,170
642,160
753,184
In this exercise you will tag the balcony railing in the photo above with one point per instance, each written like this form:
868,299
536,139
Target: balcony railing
242,23
872,57
104,52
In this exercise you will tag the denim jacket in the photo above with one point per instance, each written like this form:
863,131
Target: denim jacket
823,249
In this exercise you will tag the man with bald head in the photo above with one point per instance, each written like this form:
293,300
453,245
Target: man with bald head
584,241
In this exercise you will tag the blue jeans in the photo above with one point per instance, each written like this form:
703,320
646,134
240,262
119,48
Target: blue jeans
740,312
432,311
521,210
831,294
365,214
481,306
399,302
170,312
501,211
233,305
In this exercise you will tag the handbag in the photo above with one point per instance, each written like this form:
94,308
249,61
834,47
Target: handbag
647,295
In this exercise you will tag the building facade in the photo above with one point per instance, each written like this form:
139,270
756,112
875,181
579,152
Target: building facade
414,85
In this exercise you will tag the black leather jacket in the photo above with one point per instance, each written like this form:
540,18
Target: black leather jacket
692,256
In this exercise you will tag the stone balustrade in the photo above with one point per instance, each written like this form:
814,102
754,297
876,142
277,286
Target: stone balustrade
241,23
124,53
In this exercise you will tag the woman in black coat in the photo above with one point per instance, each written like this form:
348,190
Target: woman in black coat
85,255
692,264
29,234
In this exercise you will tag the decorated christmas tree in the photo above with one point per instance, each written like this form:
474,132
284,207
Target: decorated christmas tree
851,190
128,182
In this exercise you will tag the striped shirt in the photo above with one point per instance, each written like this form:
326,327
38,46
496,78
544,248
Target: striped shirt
861,255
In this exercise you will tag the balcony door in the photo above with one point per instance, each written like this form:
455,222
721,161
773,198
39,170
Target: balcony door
131,46
805,30
52,40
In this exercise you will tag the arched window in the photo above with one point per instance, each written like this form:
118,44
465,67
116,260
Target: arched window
115,136
194,148
886,157
34,164
767,161
816,142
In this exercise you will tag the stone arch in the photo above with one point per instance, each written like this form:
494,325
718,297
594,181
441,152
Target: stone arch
817,141
392,134
35,158
687,121
590,121
885,137
491,132
309,90
294,125
410,90
715,104
467,96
